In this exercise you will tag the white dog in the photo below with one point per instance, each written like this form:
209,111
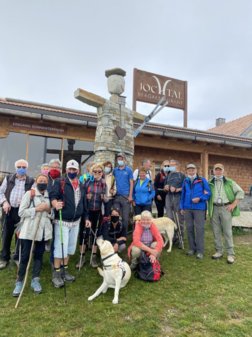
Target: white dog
166,228
116,273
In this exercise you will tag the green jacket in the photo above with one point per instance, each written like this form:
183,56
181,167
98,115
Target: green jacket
228,187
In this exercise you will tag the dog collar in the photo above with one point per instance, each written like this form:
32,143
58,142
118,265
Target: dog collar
105,258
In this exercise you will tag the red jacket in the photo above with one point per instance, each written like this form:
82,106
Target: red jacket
137,234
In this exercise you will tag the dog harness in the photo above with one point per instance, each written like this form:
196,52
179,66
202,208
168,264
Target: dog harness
120,265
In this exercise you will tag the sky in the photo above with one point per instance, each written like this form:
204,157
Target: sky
50,48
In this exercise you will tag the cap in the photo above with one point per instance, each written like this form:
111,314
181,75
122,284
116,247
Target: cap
188,166
120,154
220,166
72,164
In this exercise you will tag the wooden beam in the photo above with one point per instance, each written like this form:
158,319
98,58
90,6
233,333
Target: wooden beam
89,98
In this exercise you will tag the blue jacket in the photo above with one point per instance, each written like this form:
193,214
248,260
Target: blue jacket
143,195
199,188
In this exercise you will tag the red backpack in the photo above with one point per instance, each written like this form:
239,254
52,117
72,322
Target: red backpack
148,271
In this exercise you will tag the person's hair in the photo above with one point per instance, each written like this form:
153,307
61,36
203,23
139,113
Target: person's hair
106,163
165,161
145,161
142,169
116,210
52,161
174,161
41,175
146,214
96,166
23,160
43,165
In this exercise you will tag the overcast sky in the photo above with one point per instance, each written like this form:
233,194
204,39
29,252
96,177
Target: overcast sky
49,48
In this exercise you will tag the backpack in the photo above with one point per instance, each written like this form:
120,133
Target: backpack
147,271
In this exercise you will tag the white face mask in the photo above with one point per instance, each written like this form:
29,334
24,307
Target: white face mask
107,170
218,177
192,177
120,162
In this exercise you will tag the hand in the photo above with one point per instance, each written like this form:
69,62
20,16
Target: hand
6,207
154,252
182,211
59,205
130,199
173,189
159,197
116,246
42,207
88,224
195,200
152,258
230,207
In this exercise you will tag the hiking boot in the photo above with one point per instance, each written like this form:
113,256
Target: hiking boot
36,286
18,288
217,255
66,276
133,264
3,264
190,252
57,279
199,256
81,262
94,263
230,259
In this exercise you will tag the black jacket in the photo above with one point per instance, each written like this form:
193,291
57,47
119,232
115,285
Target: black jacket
63,190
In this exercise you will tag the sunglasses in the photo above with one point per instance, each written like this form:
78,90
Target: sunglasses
166,165
97,171
23,167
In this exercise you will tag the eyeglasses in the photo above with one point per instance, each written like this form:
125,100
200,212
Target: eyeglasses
23,167
97,171
166,165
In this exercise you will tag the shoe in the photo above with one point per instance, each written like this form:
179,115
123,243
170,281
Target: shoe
66,276
199,256
36,286
3,264
94,263
190,252
57,279
81,262
230,259
18,288
217,255
16,262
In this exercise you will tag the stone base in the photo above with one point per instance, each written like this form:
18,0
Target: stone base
244,220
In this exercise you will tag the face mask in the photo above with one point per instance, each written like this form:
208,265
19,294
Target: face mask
42,186
120,162
21,171
172,168
107,170
45,172
218,177
166,169
54,173
192,177
114,218
72,175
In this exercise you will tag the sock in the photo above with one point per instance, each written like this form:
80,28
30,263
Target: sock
65,266
57,269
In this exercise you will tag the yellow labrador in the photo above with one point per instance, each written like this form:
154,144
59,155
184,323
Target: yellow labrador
166,227
116,273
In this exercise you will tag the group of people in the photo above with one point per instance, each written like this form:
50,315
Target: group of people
98,203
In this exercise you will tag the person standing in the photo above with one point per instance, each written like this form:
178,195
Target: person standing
34,212
124,188
223,205
143,192
68,197
146,163
159,183
193,204
109,180
12,191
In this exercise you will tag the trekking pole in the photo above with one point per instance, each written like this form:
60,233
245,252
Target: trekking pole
95,234
3,224
62,251
82,248
30,258
181,241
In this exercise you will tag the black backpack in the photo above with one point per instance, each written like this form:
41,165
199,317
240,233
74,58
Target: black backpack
148,271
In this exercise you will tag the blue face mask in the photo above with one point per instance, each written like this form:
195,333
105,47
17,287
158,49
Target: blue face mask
172,168
107,169
166,169
120,162
21,171
72,175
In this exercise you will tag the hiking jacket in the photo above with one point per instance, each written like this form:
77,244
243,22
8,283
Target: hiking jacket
63,190
143,193
198,188
97,188
231,195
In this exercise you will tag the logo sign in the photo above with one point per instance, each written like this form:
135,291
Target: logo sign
149,87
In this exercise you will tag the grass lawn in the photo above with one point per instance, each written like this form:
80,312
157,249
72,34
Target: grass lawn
194,298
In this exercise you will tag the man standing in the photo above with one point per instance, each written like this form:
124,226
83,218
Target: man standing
124,185
146,163
12,190
195,193
68,197
223,205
